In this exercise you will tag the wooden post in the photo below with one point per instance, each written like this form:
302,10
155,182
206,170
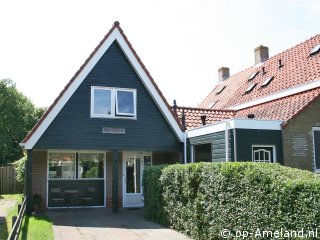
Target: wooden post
14,219
29,182
115,160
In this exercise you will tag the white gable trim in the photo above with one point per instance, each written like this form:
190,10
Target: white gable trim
275,96
115,35
235,124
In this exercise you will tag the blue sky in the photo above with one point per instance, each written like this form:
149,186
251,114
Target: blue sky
181,42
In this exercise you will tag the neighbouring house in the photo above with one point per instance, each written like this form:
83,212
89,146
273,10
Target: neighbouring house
269,112
111,120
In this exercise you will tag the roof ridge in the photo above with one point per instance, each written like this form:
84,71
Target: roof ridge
252,66
206,109
274,100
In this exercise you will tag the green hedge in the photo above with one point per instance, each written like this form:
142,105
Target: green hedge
202,199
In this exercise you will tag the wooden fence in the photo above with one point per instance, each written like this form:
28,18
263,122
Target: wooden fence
17,220
8,182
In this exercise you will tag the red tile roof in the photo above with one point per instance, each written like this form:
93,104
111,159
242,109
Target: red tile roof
281,109
193,116
298,68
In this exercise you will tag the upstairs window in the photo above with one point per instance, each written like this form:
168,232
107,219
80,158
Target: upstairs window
315,50
267,82
253,76
113,102
250,88
220,90
212,104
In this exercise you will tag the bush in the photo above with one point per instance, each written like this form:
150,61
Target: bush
20,166
153,194
204,198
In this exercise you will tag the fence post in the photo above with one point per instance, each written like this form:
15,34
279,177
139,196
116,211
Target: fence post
14,219
19,208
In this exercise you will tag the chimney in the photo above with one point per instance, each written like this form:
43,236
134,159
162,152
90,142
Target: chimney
223,73
175,106
203,119
261,54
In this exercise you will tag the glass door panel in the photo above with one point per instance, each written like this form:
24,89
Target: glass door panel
133,175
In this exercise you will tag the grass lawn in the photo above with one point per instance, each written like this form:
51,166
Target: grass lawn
37,227
33,227
6,227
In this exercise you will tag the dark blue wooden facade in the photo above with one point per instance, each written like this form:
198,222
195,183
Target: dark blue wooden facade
73,128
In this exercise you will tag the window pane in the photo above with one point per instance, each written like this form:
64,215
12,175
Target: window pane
125,103
102,102
61,165
256,155
91,165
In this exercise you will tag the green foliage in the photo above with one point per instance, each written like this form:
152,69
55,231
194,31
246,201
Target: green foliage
153,205
204,198
37,227
17,117
20,166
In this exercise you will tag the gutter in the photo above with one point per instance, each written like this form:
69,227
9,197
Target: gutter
227,140
185,147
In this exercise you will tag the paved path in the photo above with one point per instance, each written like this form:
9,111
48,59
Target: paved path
5,206
100,223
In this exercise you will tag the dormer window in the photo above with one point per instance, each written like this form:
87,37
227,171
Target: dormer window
113,102
212,104
221,90
253,76
251,87
267,81
315,50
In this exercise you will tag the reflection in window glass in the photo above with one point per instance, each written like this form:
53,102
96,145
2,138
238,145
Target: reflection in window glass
61,165
125,103
91,165
102,102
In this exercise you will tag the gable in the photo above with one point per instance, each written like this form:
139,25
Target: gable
73,128
117,34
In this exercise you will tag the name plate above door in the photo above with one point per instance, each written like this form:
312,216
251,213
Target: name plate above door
113,130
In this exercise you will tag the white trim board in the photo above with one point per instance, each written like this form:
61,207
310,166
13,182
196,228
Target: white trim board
114,35
281,94
235,124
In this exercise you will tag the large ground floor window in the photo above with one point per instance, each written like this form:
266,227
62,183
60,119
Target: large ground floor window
76,165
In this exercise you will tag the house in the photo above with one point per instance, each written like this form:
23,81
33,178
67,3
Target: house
111,120
269,112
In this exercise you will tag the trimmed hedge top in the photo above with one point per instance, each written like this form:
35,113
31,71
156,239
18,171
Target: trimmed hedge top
202,199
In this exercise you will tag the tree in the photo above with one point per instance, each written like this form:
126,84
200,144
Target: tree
17,117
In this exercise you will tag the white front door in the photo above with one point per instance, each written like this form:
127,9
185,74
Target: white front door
133,164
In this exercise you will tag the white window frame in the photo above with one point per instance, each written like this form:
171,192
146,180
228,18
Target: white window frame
263,146
314,129
75,165
104,166
94,115
134,102
114,104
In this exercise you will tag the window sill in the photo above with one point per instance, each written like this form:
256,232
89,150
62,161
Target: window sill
114,117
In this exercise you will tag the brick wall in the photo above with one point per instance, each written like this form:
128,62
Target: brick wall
297,138
39,175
